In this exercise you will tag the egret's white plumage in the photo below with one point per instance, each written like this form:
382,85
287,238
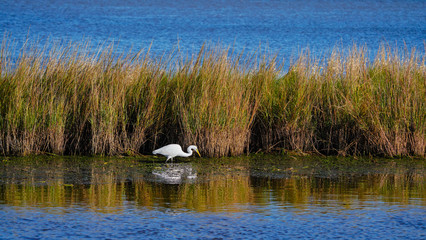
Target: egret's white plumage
175,150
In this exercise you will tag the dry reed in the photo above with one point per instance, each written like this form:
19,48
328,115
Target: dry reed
64,98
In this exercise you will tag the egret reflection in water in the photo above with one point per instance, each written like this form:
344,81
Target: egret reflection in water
175,173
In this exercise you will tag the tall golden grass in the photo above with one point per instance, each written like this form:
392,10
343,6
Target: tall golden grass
65,98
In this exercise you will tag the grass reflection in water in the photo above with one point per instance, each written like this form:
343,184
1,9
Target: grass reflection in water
111,185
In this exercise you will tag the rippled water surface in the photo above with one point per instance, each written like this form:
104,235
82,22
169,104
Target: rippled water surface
284,26
257,197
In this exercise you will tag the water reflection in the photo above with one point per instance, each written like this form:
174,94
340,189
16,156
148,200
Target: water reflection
175,173
112,185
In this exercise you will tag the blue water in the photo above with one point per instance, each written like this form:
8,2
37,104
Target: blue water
372,220
284,26
249,198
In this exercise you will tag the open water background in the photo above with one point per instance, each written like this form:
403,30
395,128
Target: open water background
285,27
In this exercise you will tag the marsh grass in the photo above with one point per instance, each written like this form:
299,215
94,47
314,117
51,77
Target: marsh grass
65,98
217,97
284,119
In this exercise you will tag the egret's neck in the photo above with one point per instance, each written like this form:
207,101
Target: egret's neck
189,153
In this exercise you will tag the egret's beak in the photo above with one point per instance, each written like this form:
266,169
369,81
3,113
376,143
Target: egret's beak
198,152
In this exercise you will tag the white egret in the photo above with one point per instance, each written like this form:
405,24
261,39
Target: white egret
175,150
